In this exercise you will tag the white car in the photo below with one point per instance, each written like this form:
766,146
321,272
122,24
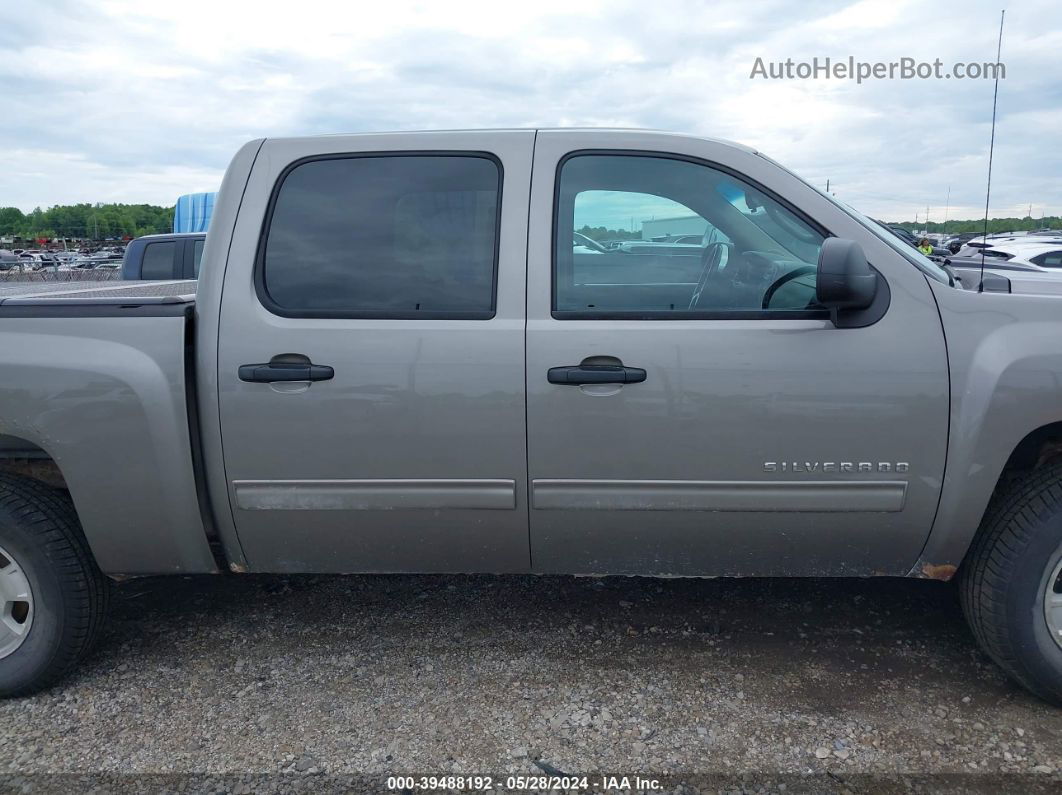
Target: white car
1029,265
581,244
1043,255
973,247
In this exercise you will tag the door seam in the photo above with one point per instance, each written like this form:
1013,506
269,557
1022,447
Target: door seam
527,430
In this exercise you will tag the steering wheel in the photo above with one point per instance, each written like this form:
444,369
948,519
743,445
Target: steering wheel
715,255
784,279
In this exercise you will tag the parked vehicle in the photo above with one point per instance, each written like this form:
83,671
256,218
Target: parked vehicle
171,256
659,248
586,245
8,260
912,239
97,260
1027,266
974,246
1042,254
391,365
956,242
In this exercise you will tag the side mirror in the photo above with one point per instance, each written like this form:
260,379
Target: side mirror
844,280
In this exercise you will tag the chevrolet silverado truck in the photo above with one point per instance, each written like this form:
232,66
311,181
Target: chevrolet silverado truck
399,357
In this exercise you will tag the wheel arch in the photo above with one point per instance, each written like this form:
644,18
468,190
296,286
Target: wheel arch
942,560
25,457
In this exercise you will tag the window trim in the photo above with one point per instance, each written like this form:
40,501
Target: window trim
694,314
189,258
266,300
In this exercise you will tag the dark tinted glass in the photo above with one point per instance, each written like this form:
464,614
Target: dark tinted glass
158,260
397,236
1052,259
197,256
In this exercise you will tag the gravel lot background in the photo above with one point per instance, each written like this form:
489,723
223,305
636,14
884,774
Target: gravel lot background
803,684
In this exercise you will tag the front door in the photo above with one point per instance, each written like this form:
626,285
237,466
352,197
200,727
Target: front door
691,410
371,364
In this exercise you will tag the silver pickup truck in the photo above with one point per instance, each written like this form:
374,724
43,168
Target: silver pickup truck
407,353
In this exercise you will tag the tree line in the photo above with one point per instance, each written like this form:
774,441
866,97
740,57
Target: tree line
92,221
603,233
995,225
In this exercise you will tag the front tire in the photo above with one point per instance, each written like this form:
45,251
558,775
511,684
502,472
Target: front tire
1011,582
53,597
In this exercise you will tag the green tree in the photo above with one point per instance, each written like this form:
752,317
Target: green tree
11,220
87,221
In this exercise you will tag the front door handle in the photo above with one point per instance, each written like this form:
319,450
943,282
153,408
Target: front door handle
279,371
595,374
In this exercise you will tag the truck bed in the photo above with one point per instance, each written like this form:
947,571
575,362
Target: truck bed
99,377
109,293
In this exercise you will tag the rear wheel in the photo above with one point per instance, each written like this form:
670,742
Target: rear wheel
1011,582
52,595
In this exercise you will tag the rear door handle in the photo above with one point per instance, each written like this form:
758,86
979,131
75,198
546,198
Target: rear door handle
595,374
272,372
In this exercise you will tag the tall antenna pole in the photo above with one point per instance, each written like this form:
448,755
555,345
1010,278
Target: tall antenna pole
991,148
947,205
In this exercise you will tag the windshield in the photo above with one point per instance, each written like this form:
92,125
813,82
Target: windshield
785,230
915,257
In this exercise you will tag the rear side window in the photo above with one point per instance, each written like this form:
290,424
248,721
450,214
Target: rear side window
1051,259
158,260
396,236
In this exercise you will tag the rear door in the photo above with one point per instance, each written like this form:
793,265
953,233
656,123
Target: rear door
693,415
371,367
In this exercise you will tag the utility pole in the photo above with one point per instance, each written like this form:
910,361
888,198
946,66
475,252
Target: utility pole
947,205
827,184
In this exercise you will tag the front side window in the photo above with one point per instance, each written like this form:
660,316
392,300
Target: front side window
402,236
695,240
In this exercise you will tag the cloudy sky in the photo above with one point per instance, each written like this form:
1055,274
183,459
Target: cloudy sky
140,101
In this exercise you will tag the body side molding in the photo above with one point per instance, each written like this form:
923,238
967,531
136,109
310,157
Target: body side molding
719,495
374,495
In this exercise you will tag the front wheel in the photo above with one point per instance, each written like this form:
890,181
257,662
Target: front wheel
52,595
1011,582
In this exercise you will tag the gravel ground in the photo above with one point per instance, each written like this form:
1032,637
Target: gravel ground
275,683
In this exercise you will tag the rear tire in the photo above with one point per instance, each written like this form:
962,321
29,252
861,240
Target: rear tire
1010,577
44,547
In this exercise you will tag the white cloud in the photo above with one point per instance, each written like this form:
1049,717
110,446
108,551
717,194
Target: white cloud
126,100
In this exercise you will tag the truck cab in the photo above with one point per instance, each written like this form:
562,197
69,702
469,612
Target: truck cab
164,257
434,275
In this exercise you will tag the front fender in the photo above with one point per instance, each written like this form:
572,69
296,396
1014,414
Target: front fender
1005,361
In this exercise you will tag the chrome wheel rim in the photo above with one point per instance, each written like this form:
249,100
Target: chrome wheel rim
16,604
1053,604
